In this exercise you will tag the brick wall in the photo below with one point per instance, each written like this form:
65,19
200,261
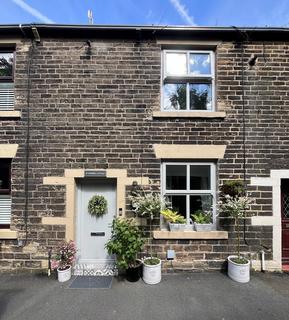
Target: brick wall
94,110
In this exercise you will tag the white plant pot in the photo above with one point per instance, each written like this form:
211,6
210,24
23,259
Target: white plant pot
64,275
238,272
181,227
203,226
152,274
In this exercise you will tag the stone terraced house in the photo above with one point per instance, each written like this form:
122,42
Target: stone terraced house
179,110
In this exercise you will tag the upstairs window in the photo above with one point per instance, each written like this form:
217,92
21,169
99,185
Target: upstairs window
6,80
188,80
5,193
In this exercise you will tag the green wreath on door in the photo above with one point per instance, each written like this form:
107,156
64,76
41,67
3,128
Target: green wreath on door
97,206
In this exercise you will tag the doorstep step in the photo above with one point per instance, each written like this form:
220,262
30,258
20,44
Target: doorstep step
95,270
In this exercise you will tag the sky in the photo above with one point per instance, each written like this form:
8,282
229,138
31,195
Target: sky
241,13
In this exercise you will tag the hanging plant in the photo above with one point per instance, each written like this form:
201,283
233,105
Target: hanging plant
97,206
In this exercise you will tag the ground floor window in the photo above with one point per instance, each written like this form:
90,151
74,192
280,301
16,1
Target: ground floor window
190,187
5,193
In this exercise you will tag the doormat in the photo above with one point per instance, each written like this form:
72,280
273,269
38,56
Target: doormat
91,282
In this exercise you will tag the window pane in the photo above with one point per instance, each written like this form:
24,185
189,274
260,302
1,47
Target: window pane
6,64
200,177
201,202
176,177
175,96
176,64
200,63
4,176
200,96
179,204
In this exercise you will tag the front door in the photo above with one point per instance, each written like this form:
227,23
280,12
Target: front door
92,233
285,222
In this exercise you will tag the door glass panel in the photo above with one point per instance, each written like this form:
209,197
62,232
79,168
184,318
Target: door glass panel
200,63
175,96
176,177
176,64
178,203
200,177
201,202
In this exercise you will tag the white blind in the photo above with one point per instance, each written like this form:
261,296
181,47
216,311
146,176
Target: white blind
5,209
6,96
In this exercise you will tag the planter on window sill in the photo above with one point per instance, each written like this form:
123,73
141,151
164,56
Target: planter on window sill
181,227
203,226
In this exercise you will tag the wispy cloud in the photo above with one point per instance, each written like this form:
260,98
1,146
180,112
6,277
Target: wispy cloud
35,13
183,12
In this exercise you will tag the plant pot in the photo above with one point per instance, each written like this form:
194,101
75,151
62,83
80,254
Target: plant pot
64,275
133,274
181,227
238,272
203,226
152,274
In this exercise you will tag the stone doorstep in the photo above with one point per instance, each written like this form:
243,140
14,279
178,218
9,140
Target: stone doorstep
95,270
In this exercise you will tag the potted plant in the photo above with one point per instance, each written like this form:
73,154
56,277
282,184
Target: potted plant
63,260
176,221
235,206
150,206
202,220
126,242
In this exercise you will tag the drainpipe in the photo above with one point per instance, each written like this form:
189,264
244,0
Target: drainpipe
263,265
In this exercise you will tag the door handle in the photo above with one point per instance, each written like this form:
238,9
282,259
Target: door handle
97,234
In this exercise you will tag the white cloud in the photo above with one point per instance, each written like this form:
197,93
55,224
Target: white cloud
35,13
183,12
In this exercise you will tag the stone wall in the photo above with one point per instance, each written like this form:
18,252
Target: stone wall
92,109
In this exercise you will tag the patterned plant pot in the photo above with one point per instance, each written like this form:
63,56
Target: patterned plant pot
238,272
152,274
64,275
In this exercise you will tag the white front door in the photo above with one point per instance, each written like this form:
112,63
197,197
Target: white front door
92,233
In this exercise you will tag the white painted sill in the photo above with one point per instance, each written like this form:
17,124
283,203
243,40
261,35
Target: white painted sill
188,114
10,114
190,235
8,234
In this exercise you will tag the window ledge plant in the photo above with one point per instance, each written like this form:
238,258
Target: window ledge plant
176,221
202,220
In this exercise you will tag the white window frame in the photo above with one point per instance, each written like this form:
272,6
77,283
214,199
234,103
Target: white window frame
187,192
189,78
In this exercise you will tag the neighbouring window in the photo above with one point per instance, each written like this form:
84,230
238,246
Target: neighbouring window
5,193
6,80
190,187
188,80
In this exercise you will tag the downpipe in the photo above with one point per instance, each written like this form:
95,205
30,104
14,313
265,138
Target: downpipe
263,264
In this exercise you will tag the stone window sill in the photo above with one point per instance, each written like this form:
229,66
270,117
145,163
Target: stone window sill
190,235
8,234
188,114
10,114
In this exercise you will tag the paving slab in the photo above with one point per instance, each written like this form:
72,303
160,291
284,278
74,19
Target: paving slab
199,296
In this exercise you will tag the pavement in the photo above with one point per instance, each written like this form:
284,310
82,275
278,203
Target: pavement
204,295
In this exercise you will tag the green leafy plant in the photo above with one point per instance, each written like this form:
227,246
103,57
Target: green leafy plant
233,188
236,207
172,216
202,217
149,206
97,206
126,242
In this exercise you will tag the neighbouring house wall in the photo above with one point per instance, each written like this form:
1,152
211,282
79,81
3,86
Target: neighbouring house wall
95,112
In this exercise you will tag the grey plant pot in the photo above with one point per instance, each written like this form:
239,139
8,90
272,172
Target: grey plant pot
203,227
181,227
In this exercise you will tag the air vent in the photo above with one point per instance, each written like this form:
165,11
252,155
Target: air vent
6,96
5,209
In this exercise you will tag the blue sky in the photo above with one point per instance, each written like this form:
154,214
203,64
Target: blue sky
148,12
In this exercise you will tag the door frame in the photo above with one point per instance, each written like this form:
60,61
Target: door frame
78,239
